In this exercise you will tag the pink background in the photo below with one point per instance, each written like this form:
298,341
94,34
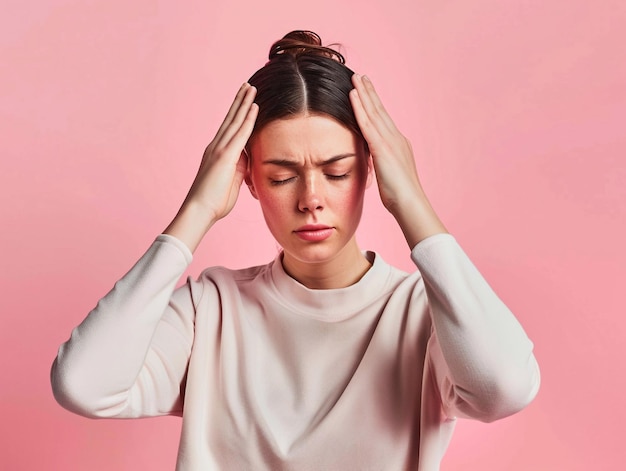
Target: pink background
517,114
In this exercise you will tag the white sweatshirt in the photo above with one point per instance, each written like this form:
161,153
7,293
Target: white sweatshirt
269,375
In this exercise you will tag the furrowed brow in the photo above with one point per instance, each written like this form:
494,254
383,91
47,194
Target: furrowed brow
335,159
281,162
291,163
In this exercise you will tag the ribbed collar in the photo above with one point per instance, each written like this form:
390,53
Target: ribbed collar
331,305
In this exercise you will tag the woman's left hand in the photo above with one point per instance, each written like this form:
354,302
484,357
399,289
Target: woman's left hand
398,183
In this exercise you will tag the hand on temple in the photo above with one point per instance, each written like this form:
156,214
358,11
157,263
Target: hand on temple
216,187
398,183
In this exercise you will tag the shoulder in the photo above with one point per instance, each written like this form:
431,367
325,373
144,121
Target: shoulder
393,279
405,299
221,274
217,283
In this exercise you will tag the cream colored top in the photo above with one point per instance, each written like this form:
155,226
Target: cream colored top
270,375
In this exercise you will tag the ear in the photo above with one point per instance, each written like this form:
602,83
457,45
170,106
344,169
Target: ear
251,187
248,176
370,171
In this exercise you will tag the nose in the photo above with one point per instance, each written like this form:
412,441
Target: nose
311,197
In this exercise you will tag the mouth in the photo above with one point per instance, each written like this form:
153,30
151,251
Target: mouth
314,232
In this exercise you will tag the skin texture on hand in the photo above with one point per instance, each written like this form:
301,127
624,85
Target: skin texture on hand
216,187
394,164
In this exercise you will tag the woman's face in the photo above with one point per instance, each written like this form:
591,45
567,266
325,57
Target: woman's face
309,174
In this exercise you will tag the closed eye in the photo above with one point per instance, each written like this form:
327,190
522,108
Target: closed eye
337,177
282,182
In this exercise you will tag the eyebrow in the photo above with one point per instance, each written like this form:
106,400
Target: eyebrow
293,163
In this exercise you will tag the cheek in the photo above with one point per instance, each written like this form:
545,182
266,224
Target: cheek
349,201
274,205
266,197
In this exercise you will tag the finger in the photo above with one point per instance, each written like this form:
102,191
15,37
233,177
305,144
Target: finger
244,130
369,130
238,119
233,110
372,104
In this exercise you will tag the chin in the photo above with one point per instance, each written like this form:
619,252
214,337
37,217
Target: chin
311,254
318,252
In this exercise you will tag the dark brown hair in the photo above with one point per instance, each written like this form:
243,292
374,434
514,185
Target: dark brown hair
304,76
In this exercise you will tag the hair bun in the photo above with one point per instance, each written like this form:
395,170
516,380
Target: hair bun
300,42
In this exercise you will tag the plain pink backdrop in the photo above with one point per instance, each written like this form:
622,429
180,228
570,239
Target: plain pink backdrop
517,114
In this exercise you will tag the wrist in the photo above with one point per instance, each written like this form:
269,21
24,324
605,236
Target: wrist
417,218
190,224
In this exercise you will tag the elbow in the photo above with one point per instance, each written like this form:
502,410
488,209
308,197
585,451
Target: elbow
495,398
74,394
509,395
67,391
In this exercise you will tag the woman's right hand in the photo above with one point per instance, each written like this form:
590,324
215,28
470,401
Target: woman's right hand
216,187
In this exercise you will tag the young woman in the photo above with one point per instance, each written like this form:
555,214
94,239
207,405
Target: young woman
326,358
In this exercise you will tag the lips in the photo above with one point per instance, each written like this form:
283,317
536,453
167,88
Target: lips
314,232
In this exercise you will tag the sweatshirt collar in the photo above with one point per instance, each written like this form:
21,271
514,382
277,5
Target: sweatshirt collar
331,304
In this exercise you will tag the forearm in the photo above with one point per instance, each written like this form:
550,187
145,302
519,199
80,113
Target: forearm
190,225
110,352
416,217
129,355
482,357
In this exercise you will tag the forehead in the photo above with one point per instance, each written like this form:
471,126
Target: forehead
302,137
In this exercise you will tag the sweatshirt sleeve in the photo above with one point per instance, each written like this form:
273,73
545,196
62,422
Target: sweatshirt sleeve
129,357
480,356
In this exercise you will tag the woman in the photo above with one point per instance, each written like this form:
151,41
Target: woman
326,358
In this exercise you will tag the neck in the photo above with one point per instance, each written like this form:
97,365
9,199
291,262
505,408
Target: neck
343,270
